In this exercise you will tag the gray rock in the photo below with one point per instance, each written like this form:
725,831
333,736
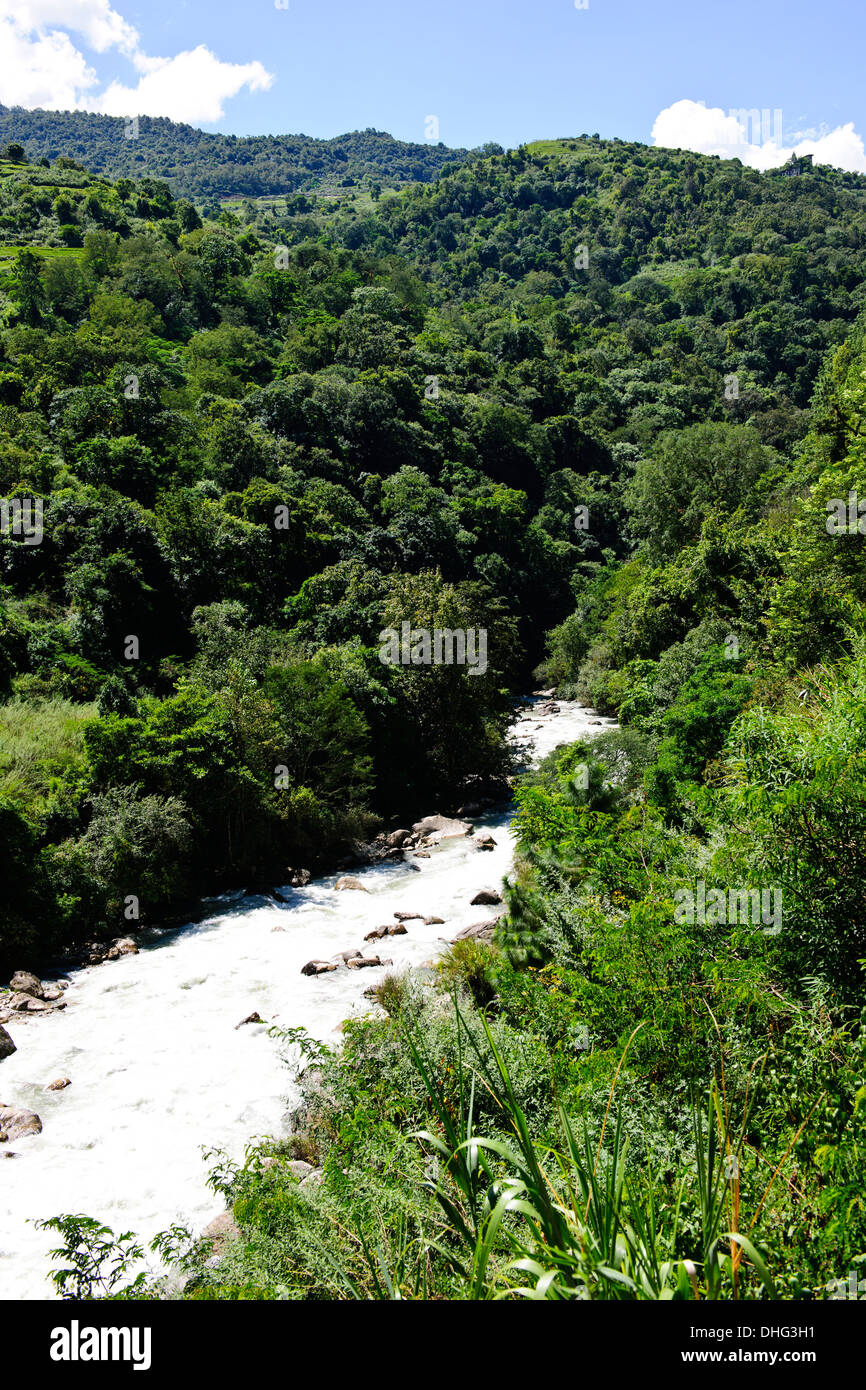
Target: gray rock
345,883
397,838
488,897
15,1123
59,1085
125,946
317,967
26,1004
23,982
363,962
434,921
408,916
313,1179
478,931
250,1018
221,1230
299,1168
7,1046
442,828
346,956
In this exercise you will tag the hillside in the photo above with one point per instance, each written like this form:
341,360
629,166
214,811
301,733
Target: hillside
594,399
207,167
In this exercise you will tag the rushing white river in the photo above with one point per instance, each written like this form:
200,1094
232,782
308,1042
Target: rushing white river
158,1069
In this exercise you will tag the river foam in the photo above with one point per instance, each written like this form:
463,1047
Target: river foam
159,1070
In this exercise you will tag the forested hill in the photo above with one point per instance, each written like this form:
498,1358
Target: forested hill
468,406
606,404
205,166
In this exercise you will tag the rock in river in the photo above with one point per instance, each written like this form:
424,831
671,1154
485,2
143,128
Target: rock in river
317,967
479,931
488,897
15,1123
7,1046
23,982
437,828
345,883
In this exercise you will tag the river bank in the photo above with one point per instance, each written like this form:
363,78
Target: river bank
159,1069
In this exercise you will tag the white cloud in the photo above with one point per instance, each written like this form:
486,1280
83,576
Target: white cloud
190,87
45,71
691,125
40,65
99,25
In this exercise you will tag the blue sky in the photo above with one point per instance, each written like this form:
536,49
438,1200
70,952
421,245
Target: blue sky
504,70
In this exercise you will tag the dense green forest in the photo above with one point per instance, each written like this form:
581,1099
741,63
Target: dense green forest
210,167
598,399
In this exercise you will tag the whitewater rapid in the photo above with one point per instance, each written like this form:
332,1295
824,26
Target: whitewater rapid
159,1071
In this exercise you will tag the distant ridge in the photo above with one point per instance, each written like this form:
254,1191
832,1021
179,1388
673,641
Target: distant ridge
207,166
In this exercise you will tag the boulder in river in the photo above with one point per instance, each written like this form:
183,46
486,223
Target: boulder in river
26,1004
254,1017
434,921
123,946
478,931
362,962
318,967
397,838
59,1085
437,828
488,897
484,840
408,916
15,1123
375,935
7,1046
345,956
346,883
23,982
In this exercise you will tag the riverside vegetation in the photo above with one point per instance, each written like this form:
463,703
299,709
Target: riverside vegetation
608,1102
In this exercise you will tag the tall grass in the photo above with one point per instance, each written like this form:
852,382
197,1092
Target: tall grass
39,741
569,1221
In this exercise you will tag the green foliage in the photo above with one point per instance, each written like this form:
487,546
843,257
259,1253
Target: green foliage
265,436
